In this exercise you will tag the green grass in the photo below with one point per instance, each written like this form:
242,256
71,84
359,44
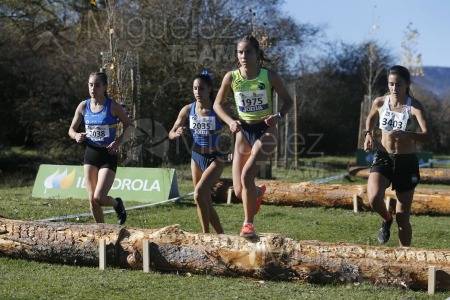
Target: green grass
21,279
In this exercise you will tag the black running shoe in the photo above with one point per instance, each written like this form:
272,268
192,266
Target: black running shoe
385,232
121,212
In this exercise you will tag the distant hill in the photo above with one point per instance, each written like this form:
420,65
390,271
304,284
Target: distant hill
435,81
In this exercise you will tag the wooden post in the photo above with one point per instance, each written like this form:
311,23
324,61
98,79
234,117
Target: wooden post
286,136
230,195
102,254
361,123
365,109
146,256
431,280
388,203
356,200
276,154
295,130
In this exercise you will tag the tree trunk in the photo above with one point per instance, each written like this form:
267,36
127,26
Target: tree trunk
426,201
268,256
427,175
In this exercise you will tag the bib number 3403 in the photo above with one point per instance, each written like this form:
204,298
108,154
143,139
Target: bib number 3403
392,123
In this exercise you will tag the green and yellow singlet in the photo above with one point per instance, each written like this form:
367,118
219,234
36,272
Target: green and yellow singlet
253,97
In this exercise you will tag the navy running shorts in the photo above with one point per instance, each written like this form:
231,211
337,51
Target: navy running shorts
204,160
253,132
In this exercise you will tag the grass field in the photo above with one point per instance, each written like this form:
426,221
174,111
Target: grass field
21,279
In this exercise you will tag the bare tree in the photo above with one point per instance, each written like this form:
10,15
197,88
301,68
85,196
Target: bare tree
373,66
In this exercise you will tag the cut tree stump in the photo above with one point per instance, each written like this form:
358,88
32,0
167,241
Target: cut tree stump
427,175
307,194
267,256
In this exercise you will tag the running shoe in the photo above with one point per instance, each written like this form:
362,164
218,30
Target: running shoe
385,232
260,199
121,212
248,230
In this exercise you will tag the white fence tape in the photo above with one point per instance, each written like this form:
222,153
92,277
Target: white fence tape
113,211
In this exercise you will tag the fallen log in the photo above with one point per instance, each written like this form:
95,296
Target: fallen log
267,256
427,175
426,201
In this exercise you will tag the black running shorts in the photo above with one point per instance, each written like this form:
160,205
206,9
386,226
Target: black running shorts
99,157
401,169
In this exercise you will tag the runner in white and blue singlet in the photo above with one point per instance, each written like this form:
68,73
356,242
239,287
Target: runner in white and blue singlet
207,161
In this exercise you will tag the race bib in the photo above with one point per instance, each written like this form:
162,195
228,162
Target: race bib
97,132
252,101
390,120
202,123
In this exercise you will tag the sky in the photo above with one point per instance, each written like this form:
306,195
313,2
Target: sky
385,21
